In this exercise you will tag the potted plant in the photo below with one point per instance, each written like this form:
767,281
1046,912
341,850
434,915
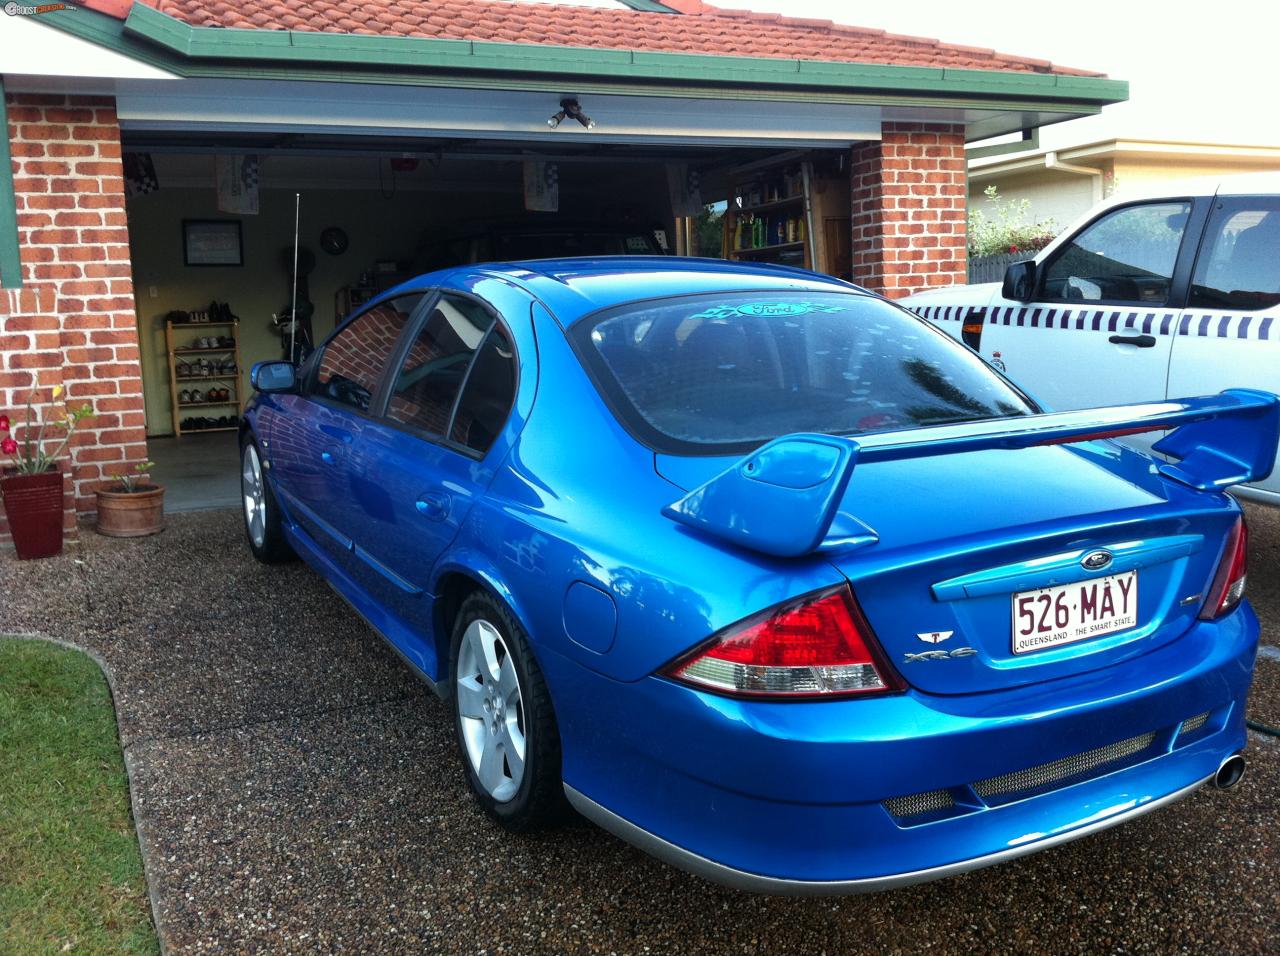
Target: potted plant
132,506
31,486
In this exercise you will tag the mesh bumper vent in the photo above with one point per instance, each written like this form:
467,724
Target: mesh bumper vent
1193,724
1007,787
1060,772
919,803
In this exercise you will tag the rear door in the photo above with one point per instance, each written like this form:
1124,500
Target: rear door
1099,331
1229,334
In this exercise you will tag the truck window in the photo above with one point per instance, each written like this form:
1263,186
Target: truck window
1126,256
1239,262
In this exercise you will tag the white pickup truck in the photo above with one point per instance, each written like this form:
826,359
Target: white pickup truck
1167,292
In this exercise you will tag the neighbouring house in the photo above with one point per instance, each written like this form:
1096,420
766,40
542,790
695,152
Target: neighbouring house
158,152
1062,184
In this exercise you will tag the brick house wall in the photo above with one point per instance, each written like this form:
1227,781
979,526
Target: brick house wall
73,321
908,196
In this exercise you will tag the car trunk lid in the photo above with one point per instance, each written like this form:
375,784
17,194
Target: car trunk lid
954,551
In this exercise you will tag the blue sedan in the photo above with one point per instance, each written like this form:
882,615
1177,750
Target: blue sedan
763,573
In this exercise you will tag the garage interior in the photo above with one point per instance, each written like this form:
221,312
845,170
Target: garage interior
369,218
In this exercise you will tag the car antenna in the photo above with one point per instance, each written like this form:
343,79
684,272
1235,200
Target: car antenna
293,306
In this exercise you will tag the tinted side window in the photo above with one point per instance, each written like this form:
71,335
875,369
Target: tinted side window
488,394
1239,264
353,361
1126,256
436,364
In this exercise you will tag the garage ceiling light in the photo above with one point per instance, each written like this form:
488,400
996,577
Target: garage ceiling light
569,107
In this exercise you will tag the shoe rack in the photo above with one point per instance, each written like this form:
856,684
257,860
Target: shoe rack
204,358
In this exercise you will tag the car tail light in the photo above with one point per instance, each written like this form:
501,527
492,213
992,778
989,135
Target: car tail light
1228,584
817,646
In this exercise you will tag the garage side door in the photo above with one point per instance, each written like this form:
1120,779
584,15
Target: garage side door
1229,335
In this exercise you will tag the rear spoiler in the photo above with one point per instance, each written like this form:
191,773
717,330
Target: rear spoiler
784,498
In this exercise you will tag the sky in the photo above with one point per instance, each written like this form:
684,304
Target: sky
1206,71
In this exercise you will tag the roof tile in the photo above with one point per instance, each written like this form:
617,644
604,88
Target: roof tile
698,28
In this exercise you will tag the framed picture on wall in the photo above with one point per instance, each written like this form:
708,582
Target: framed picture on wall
212,242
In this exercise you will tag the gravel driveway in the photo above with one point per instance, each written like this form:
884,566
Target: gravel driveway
299,791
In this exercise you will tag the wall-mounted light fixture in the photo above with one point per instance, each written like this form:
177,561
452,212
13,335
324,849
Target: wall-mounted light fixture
569,108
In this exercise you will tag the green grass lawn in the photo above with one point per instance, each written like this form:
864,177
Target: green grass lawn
70,870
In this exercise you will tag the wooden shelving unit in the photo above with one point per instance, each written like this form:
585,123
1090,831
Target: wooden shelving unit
176,334
793,210
768,215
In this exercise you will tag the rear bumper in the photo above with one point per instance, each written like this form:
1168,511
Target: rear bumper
790,798
757,883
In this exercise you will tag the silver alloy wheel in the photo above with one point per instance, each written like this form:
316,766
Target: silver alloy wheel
255,496
491,710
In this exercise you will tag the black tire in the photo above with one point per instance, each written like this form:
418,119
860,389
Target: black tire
538,801
273,548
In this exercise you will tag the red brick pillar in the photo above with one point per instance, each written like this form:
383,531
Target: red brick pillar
908,196
73,323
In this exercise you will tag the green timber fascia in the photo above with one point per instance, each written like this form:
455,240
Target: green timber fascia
10,254
170,44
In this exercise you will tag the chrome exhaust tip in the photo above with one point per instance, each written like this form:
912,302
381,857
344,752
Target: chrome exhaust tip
1229,772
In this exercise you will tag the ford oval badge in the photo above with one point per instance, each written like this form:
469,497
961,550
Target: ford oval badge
1095,560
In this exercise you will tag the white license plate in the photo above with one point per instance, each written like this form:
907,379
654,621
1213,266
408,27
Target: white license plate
1068,613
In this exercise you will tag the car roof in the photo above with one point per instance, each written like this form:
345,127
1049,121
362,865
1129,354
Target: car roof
573,288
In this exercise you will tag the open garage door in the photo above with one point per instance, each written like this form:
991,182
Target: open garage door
212,219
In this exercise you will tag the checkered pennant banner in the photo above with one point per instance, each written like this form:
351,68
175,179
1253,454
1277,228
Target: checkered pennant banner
237,177
139,174
541,186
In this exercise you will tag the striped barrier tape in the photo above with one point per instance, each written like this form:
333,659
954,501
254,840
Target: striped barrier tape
1259,327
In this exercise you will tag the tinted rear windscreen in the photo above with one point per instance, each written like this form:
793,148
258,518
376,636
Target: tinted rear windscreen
721,374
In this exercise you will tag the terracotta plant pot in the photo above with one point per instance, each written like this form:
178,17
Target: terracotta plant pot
33,504
130,514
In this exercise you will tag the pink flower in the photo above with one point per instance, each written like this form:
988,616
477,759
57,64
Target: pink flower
4,423
9,446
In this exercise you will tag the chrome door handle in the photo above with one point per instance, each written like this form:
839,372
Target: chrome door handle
433,505
1141,341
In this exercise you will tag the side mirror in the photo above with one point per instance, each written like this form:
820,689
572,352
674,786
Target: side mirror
274,376
1020,281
